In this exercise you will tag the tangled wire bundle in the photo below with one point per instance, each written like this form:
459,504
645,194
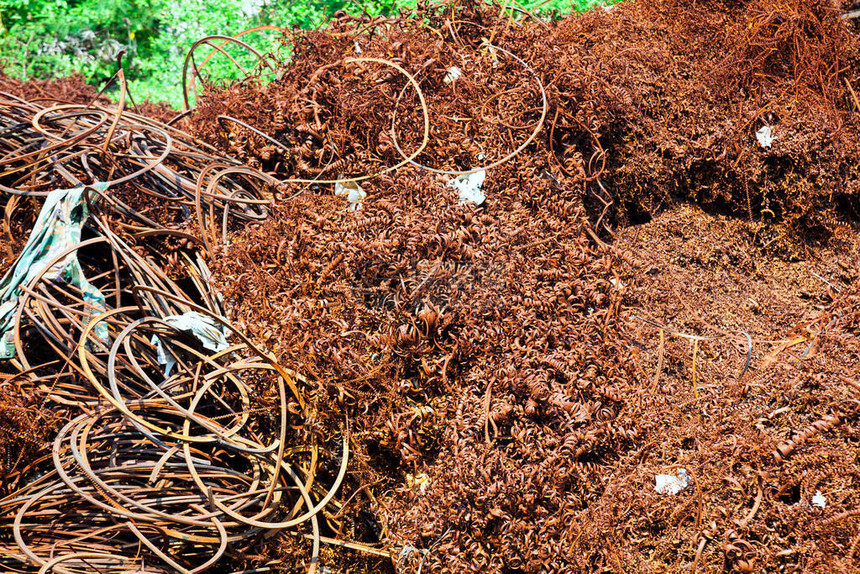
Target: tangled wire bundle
505,412
170,450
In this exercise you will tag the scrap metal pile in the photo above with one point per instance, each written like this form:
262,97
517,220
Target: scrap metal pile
143,430
425,218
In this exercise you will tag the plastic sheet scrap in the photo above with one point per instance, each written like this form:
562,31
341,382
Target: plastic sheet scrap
765,137
469,187
418,482
57,230
352,192
672,484
205,329
819,500
453,73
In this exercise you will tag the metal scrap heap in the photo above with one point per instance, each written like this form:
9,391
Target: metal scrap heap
385,307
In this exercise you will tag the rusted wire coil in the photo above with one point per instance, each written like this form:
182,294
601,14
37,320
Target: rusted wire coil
153,471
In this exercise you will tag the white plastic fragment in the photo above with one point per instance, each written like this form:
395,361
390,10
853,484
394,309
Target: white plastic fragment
211,333
671,484
765,136
352,192
469,187
418,482
453,73
819,500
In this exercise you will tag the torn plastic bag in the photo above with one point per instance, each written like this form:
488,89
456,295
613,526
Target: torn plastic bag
57,229
671,484
211,333
469,187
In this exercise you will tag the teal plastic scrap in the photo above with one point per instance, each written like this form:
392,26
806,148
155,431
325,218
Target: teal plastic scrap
57,229
211,333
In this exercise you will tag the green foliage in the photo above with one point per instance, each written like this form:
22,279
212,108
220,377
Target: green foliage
560,7
50,38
